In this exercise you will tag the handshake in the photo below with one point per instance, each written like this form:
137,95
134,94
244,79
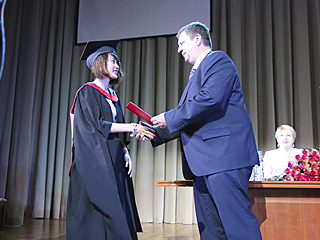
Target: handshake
143,131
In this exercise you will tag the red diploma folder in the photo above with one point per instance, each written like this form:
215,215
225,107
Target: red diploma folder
139,112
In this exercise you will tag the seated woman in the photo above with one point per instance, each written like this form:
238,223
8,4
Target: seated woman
276,161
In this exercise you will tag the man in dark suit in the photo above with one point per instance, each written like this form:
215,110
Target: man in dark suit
217,140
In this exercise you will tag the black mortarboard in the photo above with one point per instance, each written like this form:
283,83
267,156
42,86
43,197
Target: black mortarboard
93,49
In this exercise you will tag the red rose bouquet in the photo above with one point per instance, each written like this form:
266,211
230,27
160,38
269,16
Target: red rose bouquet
307,167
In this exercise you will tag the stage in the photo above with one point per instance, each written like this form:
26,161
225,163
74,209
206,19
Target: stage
56,230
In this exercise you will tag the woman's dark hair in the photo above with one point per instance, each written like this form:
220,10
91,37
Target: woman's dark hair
100,71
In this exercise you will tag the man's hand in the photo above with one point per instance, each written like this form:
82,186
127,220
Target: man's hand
159,120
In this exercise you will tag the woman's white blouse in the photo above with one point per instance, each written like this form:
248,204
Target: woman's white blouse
275,161
113,108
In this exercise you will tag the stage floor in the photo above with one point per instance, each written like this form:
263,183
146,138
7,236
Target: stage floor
56,230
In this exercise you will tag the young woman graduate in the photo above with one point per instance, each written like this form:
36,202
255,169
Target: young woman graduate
101,202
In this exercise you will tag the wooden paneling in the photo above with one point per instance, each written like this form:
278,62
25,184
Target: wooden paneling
284,209
290,209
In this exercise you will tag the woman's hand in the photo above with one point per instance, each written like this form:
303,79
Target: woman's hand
128,161
142,132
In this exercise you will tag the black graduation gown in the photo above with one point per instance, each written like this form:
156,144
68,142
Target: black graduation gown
101,202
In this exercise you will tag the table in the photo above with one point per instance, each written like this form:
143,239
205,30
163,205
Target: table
284,209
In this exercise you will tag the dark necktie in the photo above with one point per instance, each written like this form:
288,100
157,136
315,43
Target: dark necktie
191,73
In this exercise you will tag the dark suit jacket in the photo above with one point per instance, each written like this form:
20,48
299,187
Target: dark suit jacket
212,120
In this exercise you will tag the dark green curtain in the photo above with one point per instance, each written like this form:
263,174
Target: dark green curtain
275,45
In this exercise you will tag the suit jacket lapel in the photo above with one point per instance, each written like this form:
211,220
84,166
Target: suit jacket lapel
186,89
184,94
